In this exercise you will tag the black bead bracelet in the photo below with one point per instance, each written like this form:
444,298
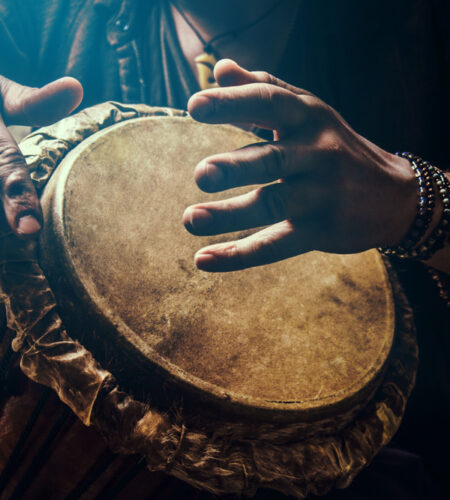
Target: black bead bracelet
437,238
425,206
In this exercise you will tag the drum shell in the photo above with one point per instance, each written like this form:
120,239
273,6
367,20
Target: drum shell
150,382
104,329
406,381
46,452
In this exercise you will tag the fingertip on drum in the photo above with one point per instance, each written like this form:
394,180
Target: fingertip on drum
205,261
209,177
28,226
200,107
220,258
213,261
197,219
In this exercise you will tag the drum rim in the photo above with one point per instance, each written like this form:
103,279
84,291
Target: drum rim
53,205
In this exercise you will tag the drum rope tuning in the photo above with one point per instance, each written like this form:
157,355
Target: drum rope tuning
278,455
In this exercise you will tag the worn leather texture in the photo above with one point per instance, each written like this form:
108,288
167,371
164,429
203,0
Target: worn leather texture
222,459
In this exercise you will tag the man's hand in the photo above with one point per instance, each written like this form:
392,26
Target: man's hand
325,187
21,105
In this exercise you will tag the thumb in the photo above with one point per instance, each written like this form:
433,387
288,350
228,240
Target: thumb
228,73
39,106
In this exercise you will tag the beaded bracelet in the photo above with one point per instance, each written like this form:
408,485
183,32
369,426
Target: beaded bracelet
437,238
425,206
410,247
442,282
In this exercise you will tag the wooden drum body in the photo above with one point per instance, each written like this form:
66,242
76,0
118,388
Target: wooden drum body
291,364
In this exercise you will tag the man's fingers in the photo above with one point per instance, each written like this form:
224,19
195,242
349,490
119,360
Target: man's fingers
260,207
258,163
20,202
21,205
277,242
36,107
27,106
262,104
257,208
228,73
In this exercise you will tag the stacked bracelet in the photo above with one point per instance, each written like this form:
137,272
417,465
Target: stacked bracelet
437,238
442,282
412,246
425,206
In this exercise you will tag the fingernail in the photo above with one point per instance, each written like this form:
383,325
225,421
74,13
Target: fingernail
200,218
200,107
212,178
28,224
204,261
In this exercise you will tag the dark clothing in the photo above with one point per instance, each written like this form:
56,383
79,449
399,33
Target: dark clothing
383,65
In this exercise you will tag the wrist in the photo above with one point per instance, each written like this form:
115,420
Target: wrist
404,202
430,228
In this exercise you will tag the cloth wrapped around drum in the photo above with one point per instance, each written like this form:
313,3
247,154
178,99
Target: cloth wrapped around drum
290,376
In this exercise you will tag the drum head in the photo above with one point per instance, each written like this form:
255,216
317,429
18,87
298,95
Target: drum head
308,334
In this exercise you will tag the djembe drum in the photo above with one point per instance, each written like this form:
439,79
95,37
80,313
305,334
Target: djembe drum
290,376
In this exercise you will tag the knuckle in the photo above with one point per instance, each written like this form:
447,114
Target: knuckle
11,161
14,179
236,254
266,77
280,101
10,155
275,161
315,106
330,144
267,93
232,168
265,249
4,86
